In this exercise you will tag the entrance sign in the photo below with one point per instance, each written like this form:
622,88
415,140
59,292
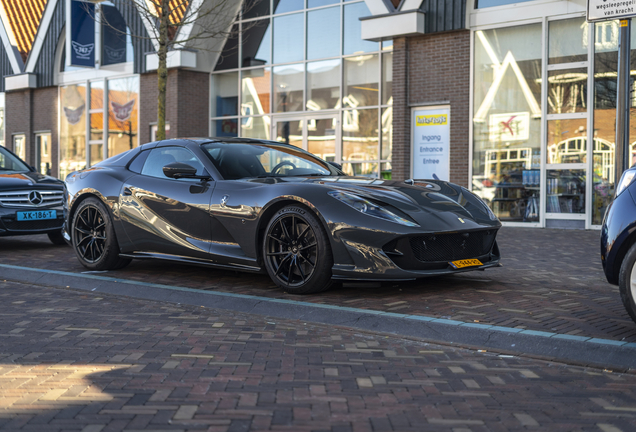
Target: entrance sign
82,44
604,10
430,141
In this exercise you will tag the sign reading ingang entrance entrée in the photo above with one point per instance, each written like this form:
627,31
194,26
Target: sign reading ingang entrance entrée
604,10
430,137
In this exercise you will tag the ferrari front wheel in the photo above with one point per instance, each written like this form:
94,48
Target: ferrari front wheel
93,237
296,252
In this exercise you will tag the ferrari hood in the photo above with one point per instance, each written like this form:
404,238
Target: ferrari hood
27,180
423,201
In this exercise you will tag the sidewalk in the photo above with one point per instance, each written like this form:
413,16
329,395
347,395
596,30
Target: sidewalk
96,363
551,281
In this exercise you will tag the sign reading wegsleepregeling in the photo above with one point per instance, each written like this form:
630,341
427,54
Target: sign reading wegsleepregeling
82,44
430,137
603,10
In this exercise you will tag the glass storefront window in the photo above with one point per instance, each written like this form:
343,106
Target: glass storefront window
321,138
567,91
361,75
567,141
360,141
19,146
289,82
224,94
44,159
606,36
255,97
256,127
323,85
255,8
228,58
387,78
123,108
290,132
288,44
227,127
387,133
97,126
353,43
72,129
565,191
97,94
282,6
256,43
318,3
507,121
323,33
385,170
567,41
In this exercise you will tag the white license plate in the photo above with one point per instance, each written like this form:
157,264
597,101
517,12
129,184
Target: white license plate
37,215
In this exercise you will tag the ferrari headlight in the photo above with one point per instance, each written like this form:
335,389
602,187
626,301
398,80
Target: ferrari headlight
626,180
369,208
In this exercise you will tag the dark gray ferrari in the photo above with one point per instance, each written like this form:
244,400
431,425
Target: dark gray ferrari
263,206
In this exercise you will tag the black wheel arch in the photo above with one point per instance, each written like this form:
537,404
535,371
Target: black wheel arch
270,210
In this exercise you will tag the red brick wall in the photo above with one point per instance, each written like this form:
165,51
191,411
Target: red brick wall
29,111
45,111
18,120
187,99
432,69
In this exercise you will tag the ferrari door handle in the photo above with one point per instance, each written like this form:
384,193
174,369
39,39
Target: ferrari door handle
127,191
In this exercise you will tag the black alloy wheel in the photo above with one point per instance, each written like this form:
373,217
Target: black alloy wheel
94,238
296,252
90,234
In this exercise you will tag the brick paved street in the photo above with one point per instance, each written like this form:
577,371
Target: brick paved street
551,281
73,361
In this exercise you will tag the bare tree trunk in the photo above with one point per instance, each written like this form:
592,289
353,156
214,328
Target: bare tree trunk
162,70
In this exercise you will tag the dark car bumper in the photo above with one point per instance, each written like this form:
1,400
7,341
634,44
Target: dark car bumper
408,257
618,233
11,226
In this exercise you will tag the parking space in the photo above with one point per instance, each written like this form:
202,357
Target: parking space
551,281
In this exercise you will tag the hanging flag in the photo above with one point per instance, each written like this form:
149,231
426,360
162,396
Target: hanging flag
113,36
82,34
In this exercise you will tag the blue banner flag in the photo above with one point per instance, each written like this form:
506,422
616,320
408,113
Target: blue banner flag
113,36
82,34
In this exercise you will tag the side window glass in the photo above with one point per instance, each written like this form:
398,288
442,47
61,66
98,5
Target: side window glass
160,157
138,162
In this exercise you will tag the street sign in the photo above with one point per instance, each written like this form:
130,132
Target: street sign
605,10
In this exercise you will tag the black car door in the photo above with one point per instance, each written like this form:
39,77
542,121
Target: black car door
167,216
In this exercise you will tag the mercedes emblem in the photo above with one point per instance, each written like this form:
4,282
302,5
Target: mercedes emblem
35,198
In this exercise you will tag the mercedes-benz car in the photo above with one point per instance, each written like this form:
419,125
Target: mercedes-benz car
618,241
30,203
263,206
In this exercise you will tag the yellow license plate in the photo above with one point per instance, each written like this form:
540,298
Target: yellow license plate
465,263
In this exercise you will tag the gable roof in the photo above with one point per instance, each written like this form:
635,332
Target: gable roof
22,20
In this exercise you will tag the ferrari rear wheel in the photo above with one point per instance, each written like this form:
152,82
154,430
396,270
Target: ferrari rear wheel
296,252
93,237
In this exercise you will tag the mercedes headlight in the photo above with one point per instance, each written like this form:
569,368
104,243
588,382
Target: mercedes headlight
626,179
370,208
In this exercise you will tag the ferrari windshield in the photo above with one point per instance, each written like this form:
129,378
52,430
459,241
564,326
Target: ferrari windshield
9,162
246,160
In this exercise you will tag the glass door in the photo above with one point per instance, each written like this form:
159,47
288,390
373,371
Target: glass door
567,128
318,134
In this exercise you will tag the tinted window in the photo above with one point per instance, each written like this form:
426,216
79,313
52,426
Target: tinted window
138,162
160,157
236,161
8,162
